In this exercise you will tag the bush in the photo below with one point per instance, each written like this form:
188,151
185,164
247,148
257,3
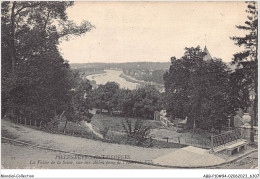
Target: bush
104,131
136,132
89,117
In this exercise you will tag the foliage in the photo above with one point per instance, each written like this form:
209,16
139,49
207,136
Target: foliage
136,132
102,96
54,123
241,86
245,78
36,81
104,131
141,102
203,94
146,101
148,75
79,105
250,40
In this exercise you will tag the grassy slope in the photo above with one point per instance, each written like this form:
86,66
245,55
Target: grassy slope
115,122
116,132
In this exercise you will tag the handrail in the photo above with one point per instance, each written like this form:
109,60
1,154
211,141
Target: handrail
224,138
226,133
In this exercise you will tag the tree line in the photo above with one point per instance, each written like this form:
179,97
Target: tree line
148,75
141,102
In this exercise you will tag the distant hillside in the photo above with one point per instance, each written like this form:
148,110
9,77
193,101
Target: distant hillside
126,66
130,65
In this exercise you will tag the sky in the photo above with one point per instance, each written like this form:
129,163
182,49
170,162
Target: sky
153,31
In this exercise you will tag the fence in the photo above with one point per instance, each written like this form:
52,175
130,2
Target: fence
43,126
157,116
201,143
25,121
224,138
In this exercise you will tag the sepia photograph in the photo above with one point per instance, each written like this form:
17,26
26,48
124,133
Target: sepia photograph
130,85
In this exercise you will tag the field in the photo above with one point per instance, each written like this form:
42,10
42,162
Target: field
161,137
116,133
115,122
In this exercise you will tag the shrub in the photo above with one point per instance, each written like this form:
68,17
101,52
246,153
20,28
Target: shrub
136,132
104,131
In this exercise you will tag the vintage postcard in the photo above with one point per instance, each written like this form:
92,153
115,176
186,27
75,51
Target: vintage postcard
129,85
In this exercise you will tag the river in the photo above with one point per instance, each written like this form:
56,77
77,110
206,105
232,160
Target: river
110,76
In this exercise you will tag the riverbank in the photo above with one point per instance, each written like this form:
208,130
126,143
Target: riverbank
113,76
130,79
141,82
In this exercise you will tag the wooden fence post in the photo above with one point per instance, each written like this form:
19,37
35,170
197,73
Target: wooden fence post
211,142
24,121
167,139
179,140
151,142
30,122
40,124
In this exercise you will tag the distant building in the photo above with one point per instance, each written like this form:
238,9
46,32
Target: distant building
207,56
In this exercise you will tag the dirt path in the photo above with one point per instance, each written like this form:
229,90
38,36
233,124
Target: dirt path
170,156
18,156
79,145
90,126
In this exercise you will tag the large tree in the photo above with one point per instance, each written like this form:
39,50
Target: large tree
146,101
102,97
198,89
246,73
36,80
79,103
141,102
